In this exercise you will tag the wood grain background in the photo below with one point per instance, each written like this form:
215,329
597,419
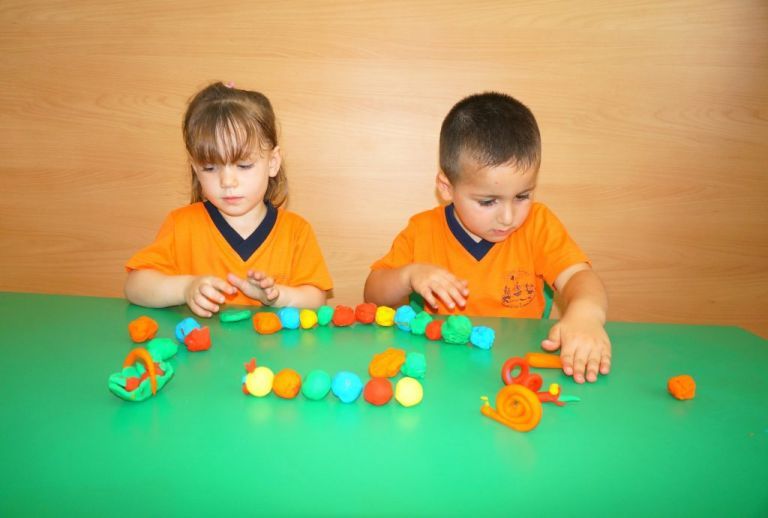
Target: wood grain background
654,117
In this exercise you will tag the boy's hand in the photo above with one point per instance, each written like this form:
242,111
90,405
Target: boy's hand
258,286
584,348
433,283
205,294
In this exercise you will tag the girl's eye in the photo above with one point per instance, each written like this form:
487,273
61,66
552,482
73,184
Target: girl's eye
487,203
207,168
244,166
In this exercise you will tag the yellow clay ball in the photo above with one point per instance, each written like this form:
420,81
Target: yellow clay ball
385,316
259,382
408,392
307,318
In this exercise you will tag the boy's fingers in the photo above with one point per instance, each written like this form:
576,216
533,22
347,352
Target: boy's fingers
579,365
605,364
552,342
593,363
566,358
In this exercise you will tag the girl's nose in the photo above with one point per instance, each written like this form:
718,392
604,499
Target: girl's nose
228,177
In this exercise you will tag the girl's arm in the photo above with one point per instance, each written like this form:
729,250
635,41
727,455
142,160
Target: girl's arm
202,293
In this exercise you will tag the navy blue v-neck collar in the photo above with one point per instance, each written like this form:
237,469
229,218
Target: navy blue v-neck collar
244,247
478,250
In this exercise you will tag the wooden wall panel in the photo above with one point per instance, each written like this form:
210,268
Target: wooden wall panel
654,119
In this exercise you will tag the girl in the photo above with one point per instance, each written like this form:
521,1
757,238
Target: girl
232,243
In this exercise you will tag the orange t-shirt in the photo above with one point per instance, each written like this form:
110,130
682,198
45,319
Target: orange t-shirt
508,280
190,243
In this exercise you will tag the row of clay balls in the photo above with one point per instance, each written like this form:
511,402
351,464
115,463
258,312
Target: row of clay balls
456,329
345,385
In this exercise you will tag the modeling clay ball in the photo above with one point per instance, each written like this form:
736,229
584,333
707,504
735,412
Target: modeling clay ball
307,318
266,323
420,322
343,316
198,339
365,313
287,383
259,382
386,364
184,327
289,318
162,349
456,329
378,391
347,386
408,392
234,315
434,330
482,337
324,315
682,387
415,365
403,317
142,329
316,385
385,316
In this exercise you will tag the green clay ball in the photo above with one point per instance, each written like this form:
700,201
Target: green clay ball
420,322
234,315
457,329
324,315
162,349
415,365
316,385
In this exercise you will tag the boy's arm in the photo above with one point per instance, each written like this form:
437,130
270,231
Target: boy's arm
153,289
585,349
392,286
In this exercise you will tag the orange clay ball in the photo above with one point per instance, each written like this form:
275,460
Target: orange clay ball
682,387
287,383
434,330
387,364
365,313
142,329
378,391
266,323
343,316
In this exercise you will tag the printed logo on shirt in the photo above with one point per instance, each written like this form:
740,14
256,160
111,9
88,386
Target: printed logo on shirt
519,289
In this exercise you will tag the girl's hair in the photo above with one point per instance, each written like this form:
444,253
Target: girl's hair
224,125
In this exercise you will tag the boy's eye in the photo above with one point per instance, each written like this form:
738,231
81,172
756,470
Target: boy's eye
487,203
524,196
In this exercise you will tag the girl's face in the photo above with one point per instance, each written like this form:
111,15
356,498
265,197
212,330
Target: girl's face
238,189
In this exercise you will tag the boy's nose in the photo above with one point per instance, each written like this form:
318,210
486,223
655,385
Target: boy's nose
506,215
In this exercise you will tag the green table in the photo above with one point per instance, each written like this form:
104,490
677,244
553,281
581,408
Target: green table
202,447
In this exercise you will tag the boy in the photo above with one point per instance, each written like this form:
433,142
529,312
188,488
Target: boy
489,252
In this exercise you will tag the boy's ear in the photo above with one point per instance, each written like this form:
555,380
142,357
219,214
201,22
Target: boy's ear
444,187
275,160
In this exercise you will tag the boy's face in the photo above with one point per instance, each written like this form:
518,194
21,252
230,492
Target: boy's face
491,202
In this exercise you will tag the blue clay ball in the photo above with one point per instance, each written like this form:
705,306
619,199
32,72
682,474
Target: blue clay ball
403,317
184,327
482,337
347,386
289,317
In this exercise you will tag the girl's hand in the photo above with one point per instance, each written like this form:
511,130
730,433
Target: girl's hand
433,283
258,286
585,348
205,294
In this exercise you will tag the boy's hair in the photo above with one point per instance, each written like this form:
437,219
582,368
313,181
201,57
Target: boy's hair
492,129
224,125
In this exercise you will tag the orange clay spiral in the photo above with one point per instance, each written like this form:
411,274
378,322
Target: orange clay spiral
146,359
517,407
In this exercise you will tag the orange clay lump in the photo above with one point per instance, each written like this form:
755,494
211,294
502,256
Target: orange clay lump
266,323
286,384
682,387
142,329
387,364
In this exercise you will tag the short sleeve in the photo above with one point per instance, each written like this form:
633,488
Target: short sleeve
554,249
160,255
402,251
308,264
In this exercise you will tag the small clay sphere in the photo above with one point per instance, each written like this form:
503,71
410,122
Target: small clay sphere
408,392
316,385
287,384
347,386
307,318
259,381
378,391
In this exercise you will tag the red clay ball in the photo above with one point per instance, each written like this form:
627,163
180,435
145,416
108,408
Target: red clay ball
434,330
365,313
378,391
343,316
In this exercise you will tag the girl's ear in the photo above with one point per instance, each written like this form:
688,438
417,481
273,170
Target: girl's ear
444,187
275,161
